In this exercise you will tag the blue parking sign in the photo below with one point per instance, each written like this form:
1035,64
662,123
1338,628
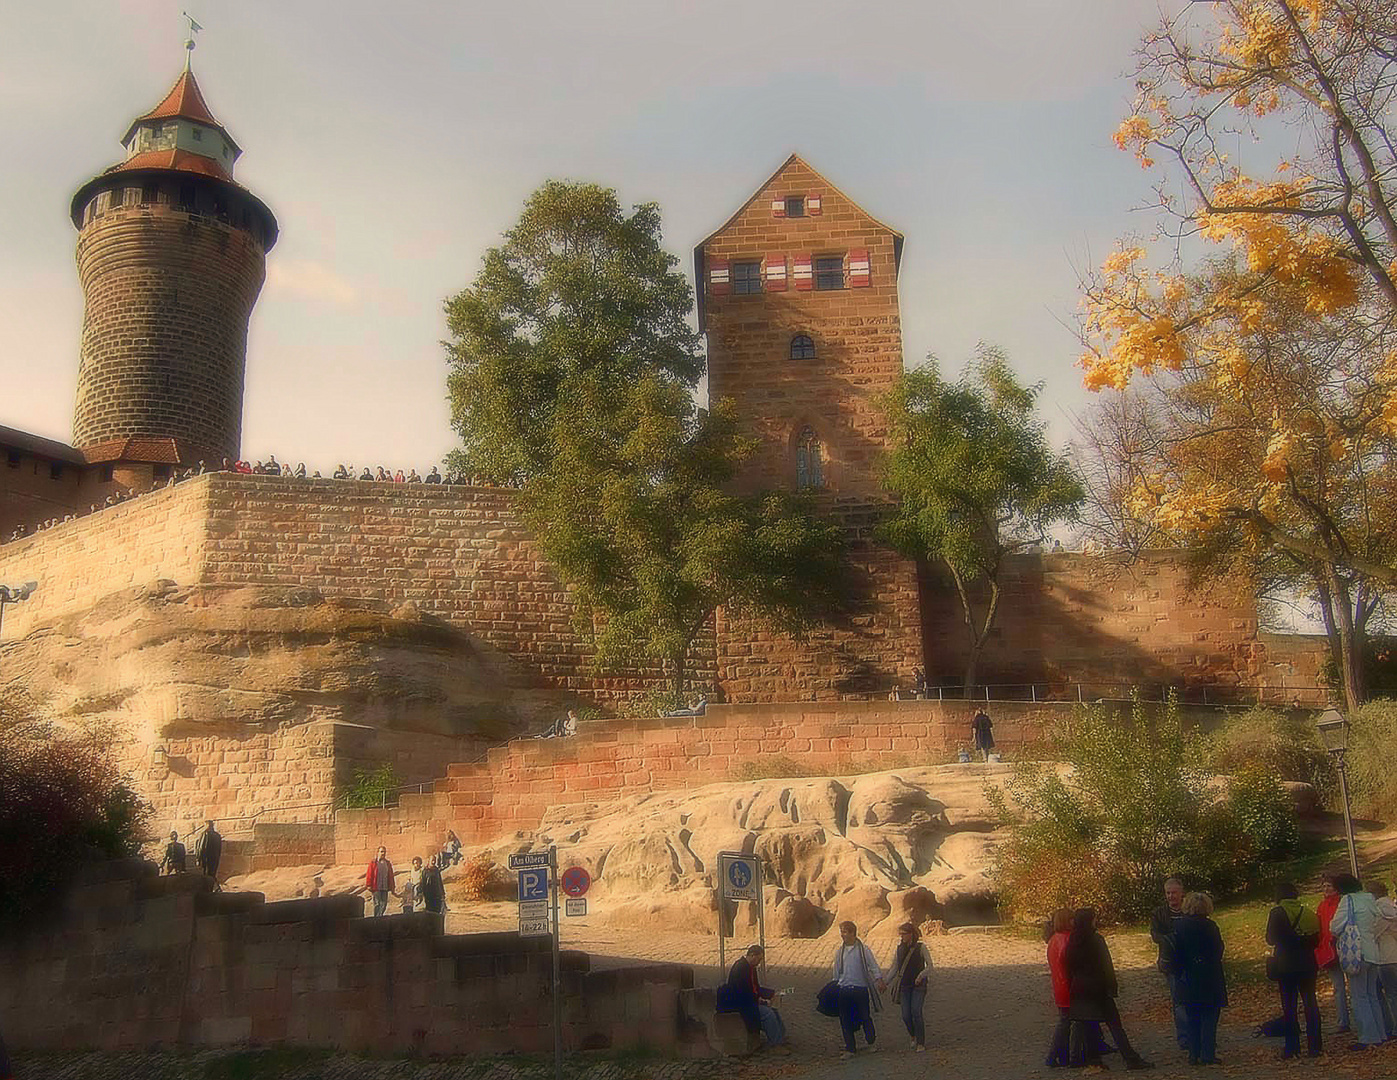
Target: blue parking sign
533,885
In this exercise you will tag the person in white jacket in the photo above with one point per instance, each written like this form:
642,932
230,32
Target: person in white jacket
857,973
1387,950
1359,909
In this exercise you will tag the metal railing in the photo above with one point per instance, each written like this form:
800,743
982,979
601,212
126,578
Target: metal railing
1220,694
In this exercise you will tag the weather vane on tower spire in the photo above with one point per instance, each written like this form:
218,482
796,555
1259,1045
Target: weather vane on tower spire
194,28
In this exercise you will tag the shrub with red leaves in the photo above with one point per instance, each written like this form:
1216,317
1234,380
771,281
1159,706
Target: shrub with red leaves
63,802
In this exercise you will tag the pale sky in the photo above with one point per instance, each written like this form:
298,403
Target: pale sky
396,142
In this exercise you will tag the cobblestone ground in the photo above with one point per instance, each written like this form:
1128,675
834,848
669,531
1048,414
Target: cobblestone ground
988,1017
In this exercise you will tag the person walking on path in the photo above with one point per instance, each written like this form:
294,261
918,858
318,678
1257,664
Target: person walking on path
982,732
911,966
1093,987
857,973
1292,931
1387,951
411,883
209,850
175,857
744,994
1324,952
1198,950
378,880
1164,924
1357,913
431,887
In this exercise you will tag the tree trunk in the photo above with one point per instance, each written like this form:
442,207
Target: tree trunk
1350,642
677,667
980,633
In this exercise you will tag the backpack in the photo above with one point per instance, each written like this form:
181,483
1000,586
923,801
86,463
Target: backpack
1348,946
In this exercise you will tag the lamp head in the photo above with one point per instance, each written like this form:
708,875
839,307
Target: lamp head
1333,730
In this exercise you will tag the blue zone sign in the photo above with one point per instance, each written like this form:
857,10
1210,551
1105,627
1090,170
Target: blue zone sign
740,878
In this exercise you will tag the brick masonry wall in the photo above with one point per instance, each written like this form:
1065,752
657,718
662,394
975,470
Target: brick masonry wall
517,782
167,296
138,961
858,357
1071,618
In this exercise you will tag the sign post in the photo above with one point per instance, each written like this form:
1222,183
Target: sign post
538,915
557,973
739,878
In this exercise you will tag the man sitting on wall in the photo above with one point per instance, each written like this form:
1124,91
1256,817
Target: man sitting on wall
743,994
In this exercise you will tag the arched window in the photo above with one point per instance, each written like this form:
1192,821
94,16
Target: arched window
802,348
810,464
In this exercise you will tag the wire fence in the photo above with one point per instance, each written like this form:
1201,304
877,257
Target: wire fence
1219,694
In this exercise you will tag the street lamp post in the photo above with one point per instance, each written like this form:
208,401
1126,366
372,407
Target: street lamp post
13,594
1333,731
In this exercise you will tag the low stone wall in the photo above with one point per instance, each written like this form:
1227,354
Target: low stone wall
139,961
517,782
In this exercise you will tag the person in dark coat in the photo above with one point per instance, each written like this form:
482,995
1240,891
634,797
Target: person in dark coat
744,995
1292,931
1198,952
209,850
174,860
982,731
1092,987
431,887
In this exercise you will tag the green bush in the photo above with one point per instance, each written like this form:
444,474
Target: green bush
63,802
1126,802
1284,744
371,788
1372,760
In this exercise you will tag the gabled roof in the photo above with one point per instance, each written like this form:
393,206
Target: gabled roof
179,160
185,101
794,159
40,447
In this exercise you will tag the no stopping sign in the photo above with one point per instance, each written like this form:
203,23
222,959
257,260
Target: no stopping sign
575,881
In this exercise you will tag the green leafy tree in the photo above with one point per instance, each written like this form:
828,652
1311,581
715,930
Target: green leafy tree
573,371
975,480
1126,802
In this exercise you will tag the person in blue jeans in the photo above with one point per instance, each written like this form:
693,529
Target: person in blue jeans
910,966
1358,909
857,975
1198,952
744,994
1164,923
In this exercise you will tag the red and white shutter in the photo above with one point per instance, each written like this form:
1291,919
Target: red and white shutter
775,273
812,204
802,272
778,207
719,277
858,268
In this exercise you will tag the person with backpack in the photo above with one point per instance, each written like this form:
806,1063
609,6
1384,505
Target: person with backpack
1354,929
1292,931
856,973
911,965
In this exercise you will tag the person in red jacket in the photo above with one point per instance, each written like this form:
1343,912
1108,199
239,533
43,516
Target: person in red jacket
1325,956
378,880
1059,1054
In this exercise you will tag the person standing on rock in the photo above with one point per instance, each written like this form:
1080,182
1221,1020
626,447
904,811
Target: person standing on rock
911,966
857,973
174,860
744,994
209,850
1093,987
1164,924
982,731
378,881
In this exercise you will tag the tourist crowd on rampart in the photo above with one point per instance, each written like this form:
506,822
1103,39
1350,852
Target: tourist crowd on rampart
270,467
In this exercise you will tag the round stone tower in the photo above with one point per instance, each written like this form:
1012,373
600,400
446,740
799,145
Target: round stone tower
171,256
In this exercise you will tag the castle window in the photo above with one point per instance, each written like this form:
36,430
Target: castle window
746,278
150,194
186,196
198,134
810,465
795,206
104,474
802,348
161,472
55,470
829,272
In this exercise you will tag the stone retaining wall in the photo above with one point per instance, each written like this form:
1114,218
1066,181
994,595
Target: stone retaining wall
139,961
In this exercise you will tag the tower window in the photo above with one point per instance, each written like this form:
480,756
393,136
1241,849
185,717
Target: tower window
810,464
186,196
829,272
104,474
198,134
746,278
795,206
150,194
55,470
802,348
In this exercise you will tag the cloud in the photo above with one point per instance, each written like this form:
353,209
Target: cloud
310,281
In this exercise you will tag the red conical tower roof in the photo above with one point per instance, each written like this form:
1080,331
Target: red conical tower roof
185,101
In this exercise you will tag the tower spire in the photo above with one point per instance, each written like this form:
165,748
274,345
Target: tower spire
194,28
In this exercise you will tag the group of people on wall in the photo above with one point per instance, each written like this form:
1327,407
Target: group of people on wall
420,888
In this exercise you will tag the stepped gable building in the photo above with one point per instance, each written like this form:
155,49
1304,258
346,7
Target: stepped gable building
798,298
171,256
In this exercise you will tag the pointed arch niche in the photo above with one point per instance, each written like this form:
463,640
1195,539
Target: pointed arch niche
811,459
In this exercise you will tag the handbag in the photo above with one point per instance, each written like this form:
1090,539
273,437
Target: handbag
827,1000
1348,946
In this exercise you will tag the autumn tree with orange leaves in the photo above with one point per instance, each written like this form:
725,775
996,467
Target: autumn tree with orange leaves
1257,329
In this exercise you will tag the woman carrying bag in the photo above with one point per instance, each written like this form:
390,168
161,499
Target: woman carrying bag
911,965
1292,931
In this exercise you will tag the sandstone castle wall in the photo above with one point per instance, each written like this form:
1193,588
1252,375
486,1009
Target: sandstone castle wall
138,961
